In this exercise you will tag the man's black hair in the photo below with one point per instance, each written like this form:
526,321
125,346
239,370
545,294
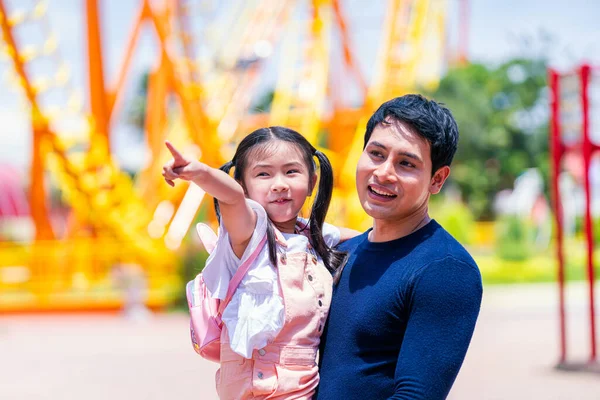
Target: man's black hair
429,119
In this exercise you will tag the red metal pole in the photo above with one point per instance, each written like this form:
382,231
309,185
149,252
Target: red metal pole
556,150
587,158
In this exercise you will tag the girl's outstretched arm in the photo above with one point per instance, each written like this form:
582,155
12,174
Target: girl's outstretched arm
236,215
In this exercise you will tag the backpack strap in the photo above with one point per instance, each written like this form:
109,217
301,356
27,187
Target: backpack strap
240,273
207,236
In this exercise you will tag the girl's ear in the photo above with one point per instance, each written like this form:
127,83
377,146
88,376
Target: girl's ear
312,183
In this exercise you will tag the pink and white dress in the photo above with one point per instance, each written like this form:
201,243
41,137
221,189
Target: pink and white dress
274,321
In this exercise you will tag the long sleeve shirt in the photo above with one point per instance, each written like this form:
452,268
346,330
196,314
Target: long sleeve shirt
401,318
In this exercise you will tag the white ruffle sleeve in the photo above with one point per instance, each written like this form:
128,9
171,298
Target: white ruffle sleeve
255,314
331,233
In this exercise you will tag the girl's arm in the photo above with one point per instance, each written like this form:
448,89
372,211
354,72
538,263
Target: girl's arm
236,215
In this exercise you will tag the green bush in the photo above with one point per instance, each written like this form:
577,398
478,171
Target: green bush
191,263
580,228
541,267
455,217
514,238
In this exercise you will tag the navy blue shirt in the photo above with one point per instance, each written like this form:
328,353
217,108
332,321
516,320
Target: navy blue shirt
401,318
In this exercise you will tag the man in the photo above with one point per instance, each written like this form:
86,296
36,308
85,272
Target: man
405,307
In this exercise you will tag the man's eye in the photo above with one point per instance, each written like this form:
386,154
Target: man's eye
375,153
407,164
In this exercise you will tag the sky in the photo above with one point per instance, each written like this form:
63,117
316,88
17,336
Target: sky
495,33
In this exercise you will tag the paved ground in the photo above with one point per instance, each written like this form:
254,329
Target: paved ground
515,347
107,357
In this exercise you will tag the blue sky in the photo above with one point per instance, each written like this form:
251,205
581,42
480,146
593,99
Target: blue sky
495,30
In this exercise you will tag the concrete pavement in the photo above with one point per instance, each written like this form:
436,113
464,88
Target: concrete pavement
93,357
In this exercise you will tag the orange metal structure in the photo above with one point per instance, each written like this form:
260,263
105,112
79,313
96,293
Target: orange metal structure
118,222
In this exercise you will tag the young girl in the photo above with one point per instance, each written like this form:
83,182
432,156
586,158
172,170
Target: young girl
273,324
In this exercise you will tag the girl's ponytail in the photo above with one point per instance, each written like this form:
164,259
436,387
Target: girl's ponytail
225,168
272,244
332,259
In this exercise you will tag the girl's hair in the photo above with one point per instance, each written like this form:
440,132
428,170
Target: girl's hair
257,141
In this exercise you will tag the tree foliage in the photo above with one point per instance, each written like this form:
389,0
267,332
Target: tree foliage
502,114
136,109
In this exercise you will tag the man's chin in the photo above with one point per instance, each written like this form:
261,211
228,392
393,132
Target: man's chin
376,211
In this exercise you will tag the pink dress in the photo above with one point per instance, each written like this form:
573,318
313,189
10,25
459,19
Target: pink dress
285,368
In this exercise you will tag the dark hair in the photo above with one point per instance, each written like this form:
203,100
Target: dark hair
431,120
260,137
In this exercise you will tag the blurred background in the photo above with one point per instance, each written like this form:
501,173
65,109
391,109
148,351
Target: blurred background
95,249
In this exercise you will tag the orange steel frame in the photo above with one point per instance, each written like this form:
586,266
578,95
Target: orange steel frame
163,80
37,197
103,100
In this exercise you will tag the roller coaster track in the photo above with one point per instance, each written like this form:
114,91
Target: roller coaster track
401,55
77,155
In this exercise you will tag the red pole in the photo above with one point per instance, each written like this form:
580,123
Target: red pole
587,157
556,150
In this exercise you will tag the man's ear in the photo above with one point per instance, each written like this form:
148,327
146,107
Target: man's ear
312,183
438,179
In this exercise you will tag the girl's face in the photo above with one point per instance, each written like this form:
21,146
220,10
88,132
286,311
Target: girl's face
278,179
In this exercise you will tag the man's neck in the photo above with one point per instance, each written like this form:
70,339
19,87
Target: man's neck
386,230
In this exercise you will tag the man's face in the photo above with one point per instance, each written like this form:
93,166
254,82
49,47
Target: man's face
393,176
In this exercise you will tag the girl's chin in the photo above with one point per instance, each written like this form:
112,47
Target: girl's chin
282,219
281,214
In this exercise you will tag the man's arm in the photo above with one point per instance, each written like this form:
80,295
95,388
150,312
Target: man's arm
347,233
445,304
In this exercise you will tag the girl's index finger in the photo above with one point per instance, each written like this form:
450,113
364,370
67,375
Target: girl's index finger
176,154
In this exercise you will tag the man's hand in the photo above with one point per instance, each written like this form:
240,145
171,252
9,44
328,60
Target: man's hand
181,167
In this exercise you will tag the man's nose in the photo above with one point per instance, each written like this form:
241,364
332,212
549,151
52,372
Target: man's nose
386,172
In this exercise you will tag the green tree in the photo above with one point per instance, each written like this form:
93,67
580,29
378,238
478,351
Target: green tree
263,103
136,109
502,114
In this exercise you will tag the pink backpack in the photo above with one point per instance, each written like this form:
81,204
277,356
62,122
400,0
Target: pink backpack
205,312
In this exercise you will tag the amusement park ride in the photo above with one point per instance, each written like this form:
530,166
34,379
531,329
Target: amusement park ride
138,223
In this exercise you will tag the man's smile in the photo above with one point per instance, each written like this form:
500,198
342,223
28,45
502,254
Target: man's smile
379,192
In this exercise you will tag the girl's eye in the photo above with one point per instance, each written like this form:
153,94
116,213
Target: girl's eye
293,171
262,174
